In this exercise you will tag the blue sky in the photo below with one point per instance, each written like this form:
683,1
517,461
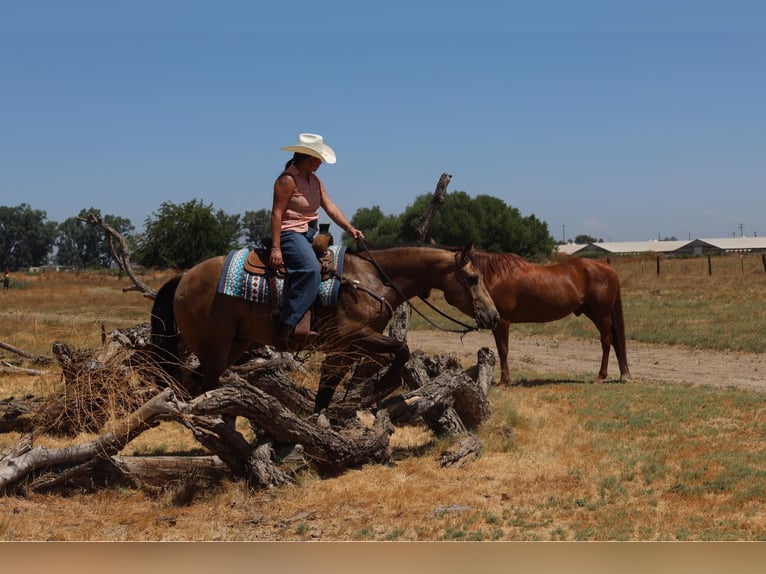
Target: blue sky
622,120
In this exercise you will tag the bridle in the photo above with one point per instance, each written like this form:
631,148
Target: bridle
387,281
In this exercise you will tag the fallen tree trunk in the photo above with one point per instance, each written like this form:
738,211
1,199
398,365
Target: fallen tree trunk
23,459
17,415
450,403
160,470
29,356
261,390
449,390
332,450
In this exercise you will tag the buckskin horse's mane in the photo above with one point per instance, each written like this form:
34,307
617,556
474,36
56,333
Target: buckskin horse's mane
412,244
488,263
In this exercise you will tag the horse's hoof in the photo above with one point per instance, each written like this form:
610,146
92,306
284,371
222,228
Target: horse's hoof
323,421
508,384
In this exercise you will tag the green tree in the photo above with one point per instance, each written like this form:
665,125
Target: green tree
181,236
26,239
584,239
256,225
83,244
485,220
378,228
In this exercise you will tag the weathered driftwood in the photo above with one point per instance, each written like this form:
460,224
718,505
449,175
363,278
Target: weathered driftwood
34,358
8,368
449,390
261,398
452,402
331,450
160,470
17,414
436,200
24,459
400,321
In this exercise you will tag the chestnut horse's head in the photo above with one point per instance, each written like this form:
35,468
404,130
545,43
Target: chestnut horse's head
472,293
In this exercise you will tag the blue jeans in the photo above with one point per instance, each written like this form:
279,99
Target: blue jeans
303,275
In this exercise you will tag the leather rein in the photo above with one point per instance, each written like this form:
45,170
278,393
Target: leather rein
387,281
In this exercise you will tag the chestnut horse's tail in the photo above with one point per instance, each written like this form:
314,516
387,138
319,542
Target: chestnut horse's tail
618,336
164,330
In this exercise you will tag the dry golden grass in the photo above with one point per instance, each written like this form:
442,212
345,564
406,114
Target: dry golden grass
562,461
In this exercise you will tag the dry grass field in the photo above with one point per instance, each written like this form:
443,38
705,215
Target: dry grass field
676,458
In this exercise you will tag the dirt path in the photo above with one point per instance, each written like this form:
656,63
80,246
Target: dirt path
575,357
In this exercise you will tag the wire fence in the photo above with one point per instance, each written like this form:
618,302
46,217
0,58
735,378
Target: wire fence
728,265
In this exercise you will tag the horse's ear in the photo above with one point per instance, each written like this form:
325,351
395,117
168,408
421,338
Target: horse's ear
464,256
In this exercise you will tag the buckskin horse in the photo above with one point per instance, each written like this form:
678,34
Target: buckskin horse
219,328
526,292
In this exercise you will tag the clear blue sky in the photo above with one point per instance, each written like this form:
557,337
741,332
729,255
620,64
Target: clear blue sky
625,120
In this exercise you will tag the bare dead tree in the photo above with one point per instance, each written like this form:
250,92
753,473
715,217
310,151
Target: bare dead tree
121,254
400,319
436,200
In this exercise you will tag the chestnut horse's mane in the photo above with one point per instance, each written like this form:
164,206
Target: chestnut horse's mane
497,263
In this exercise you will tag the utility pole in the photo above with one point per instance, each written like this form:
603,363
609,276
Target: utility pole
741,229
563,234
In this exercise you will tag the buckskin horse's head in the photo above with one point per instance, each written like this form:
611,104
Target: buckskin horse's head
473,289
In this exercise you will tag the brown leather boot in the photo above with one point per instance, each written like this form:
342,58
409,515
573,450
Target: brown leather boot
296,338
303,328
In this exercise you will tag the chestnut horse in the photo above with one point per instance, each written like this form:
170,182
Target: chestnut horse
525,292
219,328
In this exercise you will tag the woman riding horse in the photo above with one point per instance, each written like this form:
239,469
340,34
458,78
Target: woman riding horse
298,194
219,328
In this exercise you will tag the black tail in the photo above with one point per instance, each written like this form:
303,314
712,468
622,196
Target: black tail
164,331
618,337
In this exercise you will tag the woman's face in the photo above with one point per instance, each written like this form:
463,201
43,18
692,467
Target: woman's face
313,163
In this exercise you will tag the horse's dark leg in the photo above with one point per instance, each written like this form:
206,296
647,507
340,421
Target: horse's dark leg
618,338
501,334
603,323
392,378
335,367
606,346
604,326
212,366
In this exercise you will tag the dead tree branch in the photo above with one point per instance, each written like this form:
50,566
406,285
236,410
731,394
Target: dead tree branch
450,400
121,254
400,319
24,459
436,200
39,359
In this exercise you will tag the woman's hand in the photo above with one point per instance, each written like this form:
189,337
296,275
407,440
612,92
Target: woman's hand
275,258
356,233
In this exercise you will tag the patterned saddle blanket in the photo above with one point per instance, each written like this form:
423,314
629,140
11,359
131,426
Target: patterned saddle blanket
236,281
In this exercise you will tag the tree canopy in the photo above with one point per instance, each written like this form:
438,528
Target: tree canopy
485,220
181,236
83,245
256,225
26,238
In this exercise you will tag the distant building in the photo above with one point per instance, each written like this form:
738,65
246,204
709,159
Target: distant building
724,245
54,268
671,248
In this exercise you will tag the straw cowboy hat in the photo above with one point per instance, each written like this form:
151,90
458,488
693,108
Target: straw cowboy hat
313,145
